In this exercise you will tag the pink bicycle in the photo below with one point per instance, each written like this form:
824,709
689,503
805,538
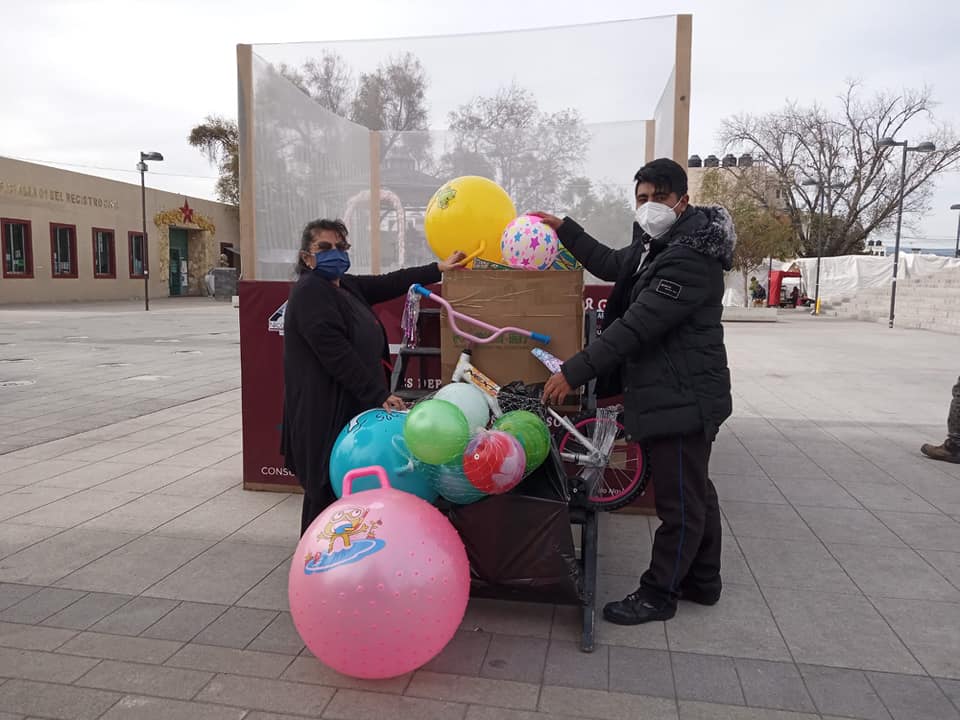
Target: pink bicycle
609,472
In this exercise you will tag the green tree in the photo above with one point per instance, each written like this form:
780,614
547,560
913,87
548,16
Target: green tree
219,140
762,232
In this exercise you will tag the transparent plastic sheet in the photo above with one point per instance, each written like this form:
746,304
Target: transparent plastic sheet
409,322
309,163
574,136
603,439
663,117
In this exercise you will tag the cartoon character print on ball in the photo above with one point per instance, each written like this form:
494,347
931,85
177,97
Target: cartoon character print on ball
357,538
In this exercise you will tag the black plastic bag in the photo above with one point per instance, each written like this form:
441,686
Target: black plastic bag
520,545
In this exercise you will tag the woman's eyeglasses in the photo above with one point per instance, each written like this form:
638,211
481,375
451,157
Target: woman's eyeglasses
326,247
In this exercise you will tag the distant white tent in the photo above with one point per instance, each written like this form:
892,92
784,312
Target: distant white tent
842,276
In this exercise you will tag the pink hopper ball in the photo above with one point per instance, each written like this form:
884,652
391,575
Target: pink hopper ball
529,244
379,583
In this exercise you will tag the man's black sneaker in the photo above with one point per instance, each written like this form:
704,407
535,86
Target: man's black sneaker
945,452
638,608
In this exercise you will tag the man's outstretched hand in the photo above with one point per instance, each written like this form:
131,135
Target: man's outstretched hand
551,221
556,390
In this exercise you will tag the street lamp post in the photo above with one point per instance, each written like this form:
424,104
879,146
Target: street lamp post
142,167
956,252
924,147
822,189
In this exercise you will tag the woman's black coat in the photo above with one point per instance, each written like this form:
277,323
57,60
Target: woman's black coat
325,384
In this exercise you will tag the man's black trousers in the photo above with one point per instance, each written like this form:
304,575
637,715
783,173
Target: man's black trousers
686,546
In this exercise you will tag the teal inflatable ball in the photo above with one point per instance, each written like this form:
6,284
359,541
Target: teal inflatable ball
452,484
375,438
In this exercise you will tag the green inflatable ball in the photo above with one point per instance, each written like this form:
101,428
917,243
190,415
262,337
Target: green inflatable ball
532,433
436,432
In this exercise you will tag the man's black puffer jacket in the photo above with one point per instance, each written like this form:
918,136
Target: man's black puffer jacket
662,343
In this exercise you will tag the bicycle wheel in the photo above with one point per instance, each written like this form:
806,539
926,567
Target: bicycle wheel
626,473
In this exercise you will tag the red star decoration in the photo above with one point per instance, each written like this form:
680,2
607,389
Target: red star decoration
187,211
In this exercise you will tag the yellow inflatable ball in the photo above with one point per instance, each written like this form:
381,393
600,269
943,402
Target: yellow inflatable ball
468,214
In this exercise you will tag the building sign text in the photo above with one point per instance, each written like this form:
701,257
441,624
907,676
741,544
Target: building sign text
42,193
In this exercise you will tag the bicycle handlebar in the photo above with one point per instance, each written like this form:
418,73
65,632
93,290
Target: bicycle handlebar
453,315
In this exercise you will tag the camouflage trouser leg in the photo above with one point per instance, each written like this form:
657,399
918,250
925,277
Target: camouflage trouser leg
953,419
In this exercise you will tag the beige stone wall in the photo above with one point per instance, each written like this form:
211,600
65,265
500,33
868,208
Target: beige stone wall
695,181
44,195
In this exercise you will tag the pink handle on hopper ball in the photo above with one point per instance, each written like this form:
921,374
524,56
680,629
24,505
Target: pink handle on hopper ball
452,316
358,473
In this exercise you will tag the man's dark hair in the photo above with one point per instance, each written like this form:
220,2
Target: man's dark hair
306,237
665,175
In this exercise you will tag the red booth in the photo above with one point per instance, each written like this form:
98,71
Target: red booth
776,284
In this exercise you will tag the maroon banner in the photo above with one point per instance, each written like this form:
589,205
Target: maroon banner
261,376
261,381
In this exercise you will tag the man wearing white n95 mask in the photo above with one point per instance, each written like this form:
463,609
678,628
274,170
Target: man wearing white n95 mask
662,348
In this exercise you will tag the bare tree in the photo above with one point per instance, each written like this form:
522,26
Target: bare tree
392,99
531,154
219,140
327,79
839,149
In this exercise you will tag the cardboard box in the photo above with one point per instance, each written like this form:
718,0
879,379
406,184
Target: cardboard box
545,302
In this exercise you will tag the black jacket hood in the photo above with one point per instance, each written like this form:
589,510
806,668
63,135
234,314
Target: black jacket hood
713,236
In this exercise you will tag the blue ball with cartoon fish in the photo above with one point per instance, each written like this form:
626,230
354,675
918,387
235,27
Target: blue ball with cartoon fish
375,438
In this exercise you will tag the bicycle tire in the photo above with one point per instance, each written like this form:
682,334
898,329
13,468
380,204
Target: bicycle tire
637,484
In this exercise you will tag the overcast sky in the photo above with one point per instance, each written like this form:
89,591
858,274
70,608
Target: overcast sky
92,82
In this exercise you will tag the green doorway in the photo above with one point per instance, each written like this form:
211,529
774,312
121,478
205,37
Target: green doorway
178,262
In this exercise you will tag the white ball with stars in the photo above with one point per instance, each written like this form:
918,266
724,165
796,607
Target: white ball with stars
528,244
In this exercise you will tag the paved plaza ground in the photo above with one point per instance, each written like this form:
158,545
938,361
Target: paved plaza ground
138,580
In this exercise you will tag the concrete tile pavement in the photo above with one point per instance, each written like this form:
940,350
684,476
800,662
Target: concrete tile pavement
120,596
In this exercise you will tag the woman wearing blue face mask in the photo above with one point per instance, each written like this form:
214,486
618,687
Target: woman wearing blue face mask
335,353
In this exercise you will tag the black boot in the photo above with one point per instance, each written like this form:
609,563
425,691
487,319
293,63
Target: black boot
638,608
948,452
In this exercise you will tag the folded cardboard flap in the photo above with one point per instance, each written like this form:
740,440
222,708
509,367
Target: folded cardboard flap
550,303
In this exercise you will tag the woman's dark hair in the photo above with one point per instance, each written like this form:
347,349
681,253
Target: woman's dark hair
665,175
306,237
